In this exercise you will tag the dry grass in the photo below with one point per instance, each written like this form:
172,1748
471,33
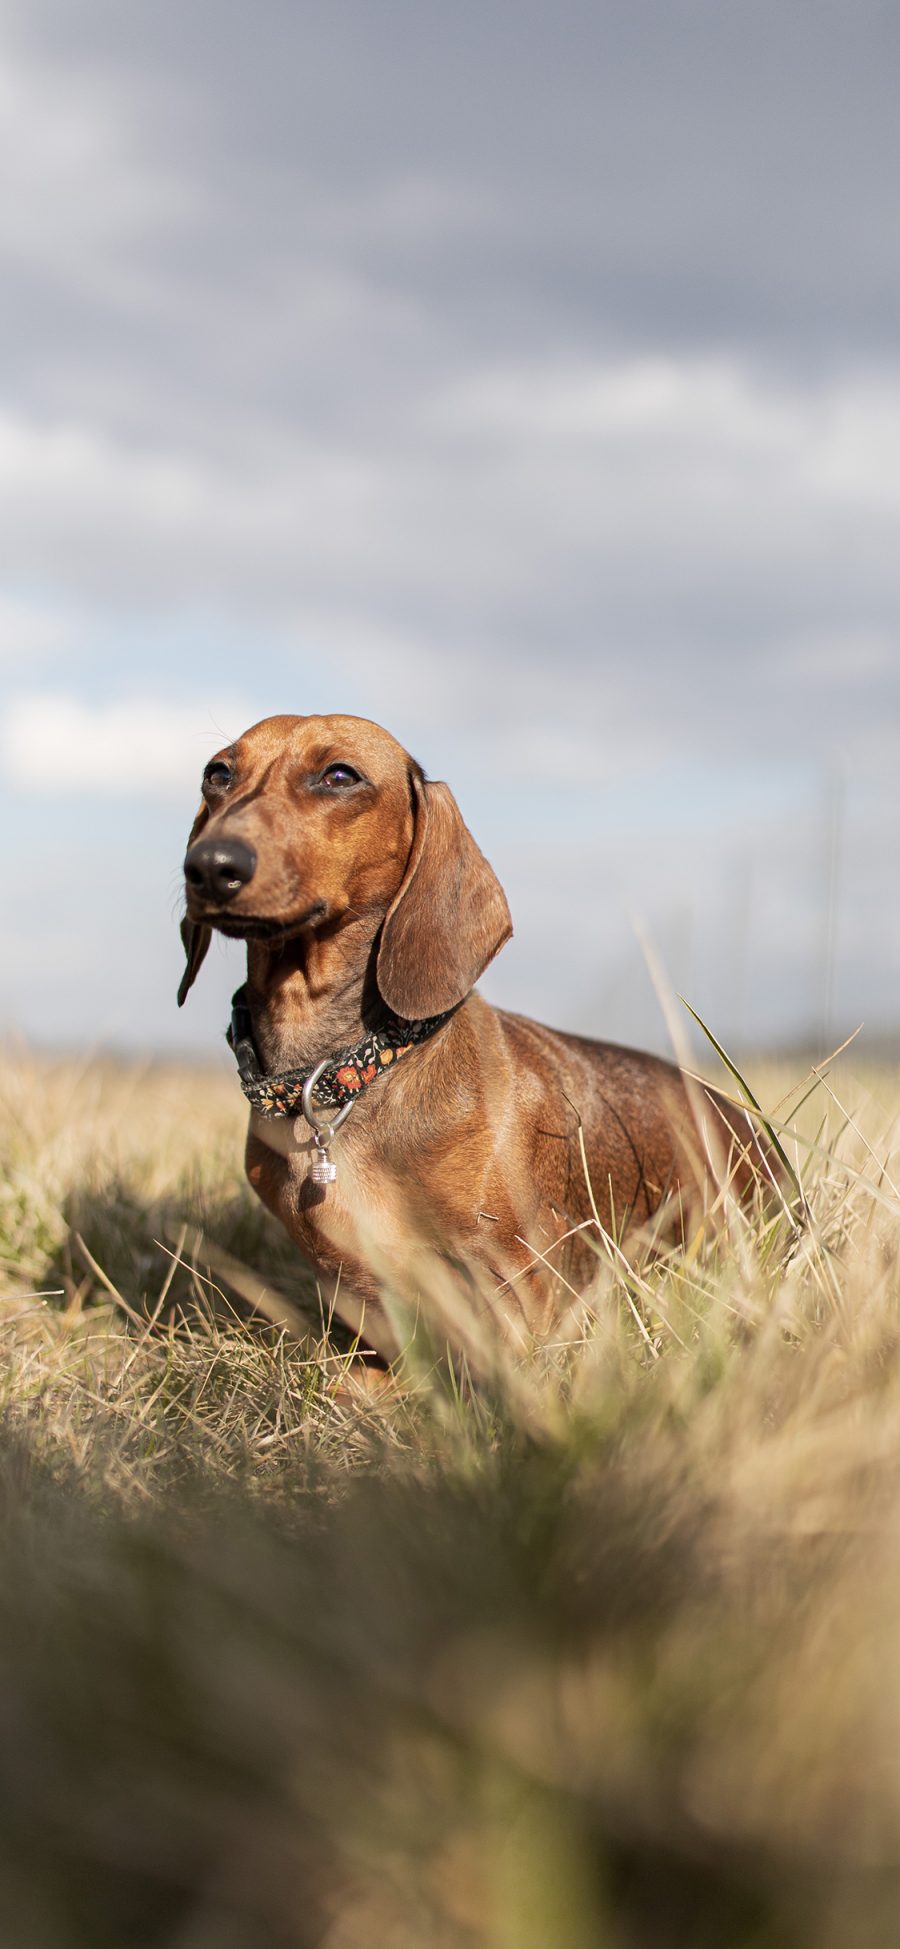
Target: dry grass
603,1653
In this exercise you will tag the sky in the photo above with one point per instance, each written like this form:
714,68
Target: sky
524,378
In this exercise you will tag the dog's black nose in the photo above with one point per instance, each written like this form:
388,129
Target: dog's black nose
218,868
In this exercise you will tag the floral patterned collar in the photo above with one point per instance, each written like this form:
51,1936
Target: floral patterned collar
342,1078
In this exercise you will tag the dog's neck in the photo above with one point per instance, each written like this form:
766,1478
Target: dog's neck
307,996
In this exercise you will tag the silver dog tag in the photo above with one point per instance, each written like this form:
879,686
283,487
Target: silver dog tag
321,1170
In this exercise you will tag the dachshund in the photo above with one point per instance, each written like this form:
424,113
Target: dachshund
401,1128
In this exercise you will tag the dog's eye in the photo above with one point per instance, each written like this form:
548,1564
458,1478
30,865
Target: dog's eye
338,775
217,776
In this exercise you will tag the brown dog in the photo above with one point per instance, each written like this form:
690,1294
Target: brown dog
369,913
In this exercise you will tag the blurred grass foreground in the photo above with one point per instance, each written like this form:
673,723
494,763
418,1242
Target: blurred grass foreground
604,1652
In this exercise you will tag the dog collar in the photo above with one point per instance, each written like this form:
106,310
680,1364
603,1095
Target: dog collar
340,1080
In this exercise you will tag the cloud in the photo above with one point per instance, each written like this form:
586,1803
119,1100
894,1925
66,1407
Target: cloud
846,659
544,489
31,630
55,745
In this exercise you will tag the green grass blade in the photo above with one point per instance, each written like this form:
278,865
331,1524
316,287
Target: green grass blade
749,1097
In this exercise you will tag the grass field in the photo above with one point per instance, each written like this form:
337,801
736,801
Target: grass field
606,1652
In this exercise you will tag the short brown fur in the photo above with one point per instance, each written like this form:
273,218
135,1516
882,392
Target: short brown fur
469,1154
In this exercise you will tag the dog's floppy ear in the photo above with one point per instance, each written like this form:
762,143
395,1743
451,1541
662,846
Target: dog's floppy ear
195,937
448,919
196,941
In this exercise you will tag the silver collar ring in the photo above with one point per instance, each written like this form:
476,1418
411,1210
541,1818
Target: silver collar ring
323,1132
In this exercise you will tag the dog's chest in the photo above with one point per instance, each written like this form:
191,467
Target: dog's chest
360,1214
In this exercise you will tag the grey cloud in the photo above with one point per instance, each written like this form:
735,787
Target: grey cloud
662,173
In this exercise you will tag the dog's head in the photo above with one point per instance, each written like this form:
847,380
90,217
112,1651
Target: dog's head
310,822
